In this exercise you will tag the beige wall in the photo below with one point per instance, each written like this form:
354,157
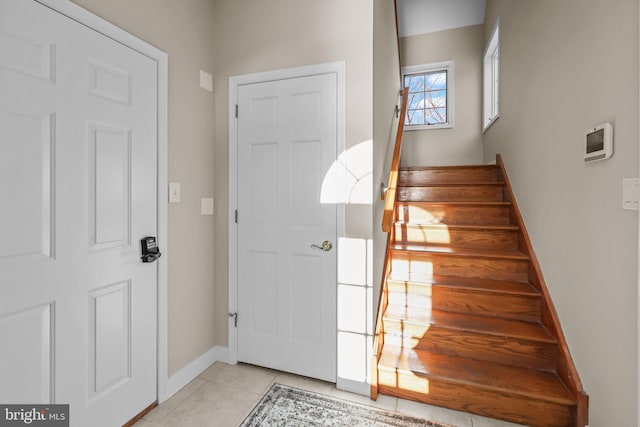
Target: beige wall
567,66
252,37
463,143
386,85
184,30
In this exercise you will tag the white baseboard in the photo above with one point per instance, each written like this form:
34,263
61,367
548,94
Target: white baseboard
222,354
363,388
193,369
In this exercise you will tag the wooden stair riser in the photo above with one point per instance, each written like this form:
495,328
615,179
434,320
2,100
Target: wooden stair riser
447,175
460,300
452,214
499,239
506,350
488,304
411,299
475,399
461,266
452,193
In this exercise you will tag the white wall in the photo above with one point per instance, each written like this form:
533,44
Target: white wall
567,66
463,143
421,17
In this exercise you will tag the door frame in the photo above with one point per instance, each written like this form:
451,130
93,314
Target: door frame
98,24
339,68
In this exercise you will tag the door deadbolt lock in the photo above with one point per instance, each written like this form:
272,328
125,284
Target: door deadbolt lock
326,246
149,249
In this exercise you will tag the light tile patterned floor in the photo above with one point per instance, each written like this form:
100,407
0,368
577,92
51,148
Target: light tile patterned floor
223,395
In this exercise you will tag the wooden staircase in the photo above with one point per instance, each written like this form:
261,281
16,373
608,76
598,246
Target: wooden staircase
465,320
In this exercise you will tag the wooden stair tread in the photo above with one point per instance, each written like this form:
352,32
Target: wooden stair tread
458,251
447,168
462,227
455,203
472,323
535,384
478,212
454,184
487,285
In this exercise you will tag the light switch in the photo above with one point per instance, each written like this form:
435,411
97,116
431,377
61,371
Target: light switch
174,192
206,206
630,190
206,81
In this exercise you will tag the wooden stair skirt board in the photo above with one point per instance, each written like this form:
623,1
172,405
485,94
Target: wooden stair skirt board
465,318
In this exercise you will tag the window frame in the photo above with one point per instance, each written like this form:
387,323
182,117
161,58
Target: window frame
491,79
447,66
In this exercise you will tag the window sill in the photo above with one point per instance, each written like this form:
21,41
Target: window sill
489,123
427,127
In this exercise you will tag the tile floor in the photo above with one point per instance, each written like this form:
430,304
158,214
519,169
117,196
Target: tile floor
223,395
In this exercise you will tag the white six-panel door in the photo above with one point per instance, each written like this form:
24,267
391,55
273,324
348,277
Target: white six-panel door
287,135
78,141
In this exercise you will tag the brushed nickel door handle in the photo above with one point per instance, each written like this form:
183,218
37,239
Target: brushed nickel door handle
326,246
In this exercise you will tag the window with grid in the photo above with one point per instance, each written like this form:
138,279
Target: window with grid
429,104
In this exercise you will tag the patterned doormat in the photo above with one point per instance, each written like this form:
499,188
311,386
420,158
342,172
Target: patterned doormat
292,407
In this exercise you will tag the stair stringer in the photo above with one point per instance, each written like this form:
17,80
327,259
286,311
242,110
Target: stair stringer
565,367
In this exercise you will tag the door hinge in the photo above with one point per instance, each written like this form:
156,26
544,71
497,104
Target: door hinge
236,218
235,318
236,111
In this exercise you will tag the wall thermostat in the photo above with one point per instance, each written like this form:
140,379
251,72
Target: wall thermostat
598,143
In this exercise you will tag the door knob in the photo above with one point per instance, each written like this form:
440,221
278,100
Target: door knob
326,246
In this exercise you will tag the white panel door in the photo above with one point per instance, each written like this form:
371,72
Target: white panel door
287,134
78,141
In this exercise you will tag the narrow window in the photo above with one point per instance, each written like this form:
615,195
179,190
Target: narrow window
491,79
430,104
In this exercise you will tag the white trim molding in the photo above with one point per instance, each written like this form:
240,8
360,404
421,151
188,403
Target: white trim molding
187,374
357,387
338,68
491,79
78,14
